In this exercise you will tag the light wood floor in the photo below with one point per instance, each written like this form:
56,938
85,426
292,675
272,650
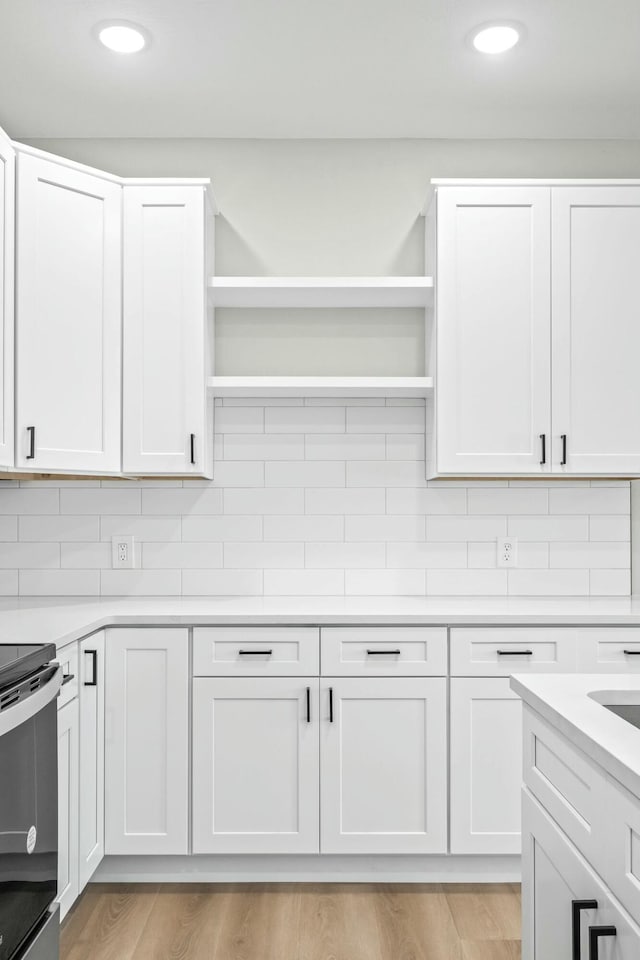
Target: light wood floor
294,922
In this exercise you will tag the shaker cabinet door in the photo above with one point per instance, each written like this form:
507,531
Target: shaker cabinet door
68,759
91,694
596,330
384,765
68,302
493,398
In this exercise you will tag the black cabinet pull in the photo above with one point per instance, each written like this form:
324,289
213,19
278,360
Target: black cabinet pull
330,704
383,653
594,937
308,704
631,653
255,653
32,443
543,439
94,668
192,447
515,653
563,462
577,906
67,678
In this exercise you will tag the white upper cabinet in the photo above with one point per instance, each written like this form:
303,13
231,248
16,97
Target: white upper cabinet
596,329
7,234
493,399
167,427
68,301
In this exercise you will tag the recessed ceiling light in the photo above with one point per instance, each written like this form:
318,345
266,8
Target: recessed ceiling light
496,37
122,37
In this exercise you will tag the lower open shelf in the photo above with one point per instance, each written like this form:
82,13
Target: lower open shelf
320,386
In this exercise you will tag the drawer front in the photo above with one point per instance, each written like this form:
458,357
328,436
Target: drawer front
502,651
608,649
256,651
570,788
384,651
67,657
618,856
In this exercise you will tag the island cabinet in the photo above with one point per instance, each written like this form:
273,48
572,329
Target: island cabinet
525,274
167,419
147,741
68,303
7,267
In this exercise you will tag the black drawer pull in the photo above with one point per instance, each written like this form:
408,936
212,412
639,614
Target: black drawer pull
577,906
330,704
94,668
255,653
594,937
515,653
308,704
67,678
631,653
383,653
32,443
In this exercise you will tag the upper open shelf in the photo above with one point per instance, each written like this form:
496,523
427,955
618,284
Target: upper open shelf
320,386
319,292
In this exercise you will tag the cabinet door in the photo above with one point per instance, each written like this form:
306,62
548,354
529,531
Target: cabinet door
554,874
384,765
166,422
486,766
147,741
91,756
596,334
255,765
68,885
7,241
493,330
69,319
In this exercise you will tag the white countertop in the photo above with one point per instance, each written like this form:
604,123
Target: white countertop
572,704
60,620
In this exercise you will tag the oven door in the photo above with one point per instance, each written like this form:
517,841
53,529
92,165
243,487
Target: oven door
28,812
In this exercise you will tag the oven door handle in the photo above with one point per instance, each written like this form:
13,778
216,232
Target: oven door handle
25,710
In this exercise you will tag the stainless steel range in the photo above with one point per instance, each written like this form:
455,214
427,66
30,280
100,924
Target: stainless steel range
30,680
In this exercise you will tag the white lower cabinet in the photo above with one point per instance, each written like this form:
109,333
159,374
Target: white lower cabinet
68,759
91,794
556,878
486,766
255,765
147,741
383,760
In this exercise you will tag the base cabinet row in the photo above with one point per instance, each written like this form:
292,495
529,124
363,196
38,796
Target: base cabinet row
304,764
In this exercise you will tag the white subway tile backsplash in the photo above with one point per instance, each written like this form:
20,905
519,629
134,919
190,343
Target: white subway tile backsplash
304,419
221,583
384,583
338,556
263,555
303,583
351,501
181,556
345,446
101,500
265,446
318,497
386,419
304,528
305,474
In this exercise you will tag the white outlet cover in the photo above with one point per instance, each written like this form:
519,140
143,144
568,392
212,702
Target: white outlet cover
507,555
123,543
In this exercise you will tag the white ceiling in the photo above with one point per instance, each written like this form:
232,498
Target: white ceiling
320,68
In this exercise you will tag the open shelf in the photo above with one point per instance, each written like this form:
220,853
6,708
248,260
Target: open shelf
336,292
320,386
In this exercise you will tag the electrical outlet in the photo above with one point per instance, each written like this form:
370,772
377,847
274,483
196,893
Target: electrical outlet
122,552
507,552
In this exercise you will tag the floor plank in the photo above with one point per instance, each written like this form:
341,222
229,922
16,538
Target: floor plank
294,922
